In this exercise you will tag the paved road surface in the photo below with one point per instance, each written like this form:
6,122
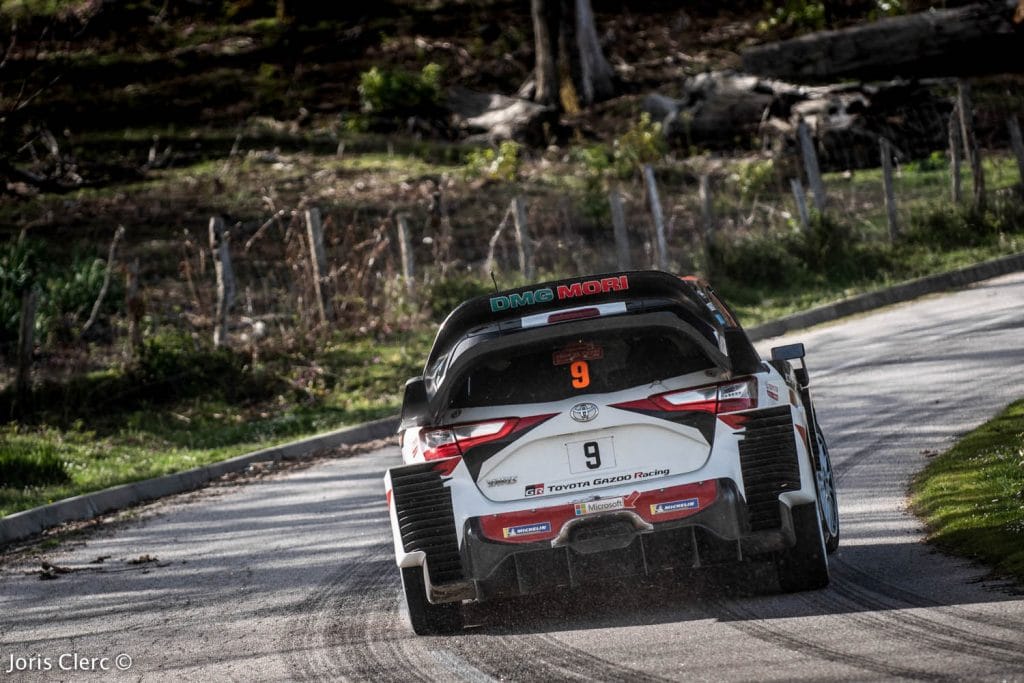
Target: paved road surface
293,577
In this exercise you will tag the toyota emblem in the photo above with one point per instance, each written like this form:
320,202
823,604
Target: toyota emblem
583,412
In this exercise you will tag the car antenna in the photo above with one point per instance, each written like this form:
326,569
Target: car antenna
495,281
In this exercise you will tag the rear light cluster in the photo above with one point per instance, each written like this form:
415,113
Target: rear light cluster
726,397
446,442
717,398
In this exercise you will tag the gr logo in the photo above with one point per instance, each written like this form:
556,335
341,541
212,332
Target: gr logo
535,490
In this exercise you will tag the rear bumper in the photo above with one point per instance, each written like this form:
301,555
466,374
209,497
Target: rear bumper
616,544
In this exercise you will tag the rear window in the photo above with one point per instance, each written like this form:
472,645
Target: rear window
561,368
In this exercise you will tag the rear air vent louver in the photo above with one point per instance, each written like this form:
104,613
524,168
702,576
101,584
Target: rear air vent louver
426,520
769,462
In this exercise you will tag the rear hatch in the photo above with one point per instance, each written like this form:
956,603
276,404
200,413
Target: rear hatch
583,407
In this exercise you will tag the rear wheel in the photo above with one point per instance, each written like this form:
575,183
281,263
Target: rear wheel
426,617
828,503
805,565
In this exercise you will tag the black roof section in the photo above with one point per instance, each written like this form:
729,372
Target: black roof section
485,311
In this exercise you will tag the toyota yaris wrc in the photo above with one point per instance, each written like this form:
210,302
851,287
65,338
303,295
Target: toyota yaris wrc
603,427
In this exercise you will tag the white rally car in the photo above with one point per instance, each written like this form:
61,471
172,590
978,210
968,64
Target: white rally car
602,427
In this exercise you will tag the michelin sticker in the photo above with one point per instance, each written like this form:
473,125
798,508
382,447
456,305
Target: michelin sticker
675,506
526,530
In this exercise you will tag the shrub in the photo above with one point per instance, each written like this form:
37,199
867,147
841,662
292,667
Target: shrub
757,260
393,92
444,295
965,226
67,292
642,144
19,267
753,178
500,164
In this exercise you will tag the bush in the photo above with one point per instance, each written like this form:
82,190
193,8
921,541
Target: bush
641,144
827,249
171,366
394,93
753,178
757,260
19,267
500,164
444,295
67,292
24,465
964,226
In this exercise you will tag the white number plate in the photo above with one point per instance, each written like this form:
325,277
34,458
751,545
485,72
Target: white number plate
591,455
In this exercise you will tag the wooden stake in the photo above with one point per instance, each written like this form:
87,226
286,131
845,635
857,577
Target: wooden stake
405,248
26,346
956,193
318,261
136,307
661,244
523,245
707,221
890,195
971,151
118,234
622,255
219,240
811,166
1017,143
493,243
801,203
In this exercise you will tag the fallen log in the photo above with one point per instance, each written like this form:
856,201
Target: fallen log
725,110
975,40
495,117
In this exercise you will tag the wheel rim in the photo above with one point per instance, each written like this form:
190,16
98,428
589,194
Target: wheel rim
827,491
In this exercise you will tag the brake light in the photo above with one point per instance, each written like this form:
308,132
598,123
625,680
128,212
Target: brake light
575,314
446,442
703,398
735,396
727,397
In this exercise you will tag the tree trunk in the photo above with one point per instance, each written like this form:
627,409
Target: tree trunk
546,19
596,78
567,46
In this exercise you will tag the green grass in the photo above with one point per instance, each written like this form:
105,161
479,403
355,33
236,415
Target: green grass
756,305
972,496
142,435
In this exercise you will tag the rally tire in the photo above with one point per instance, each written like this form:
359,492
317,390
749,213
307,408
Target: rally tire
804,566
427,618
828,500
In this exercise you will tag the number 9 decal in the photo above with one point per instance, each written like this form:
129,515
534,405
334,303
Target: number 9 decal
580,372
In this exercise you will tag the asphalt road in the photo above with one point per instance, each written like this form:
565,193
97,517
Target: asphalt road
292,577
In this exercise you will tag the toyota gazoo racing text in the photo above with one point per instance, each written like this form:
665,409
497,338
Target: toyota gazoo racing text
602,427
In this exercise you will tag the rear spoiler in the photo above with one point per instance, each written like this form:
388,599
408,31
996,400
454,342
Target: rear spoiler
511,305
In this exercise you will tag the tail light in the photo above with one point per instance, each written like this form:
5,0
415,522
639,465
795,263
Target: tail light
446,442
727,397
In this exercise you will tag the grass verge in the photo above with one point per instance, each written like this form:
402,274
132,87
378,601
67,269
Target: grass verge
181,409
972,496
